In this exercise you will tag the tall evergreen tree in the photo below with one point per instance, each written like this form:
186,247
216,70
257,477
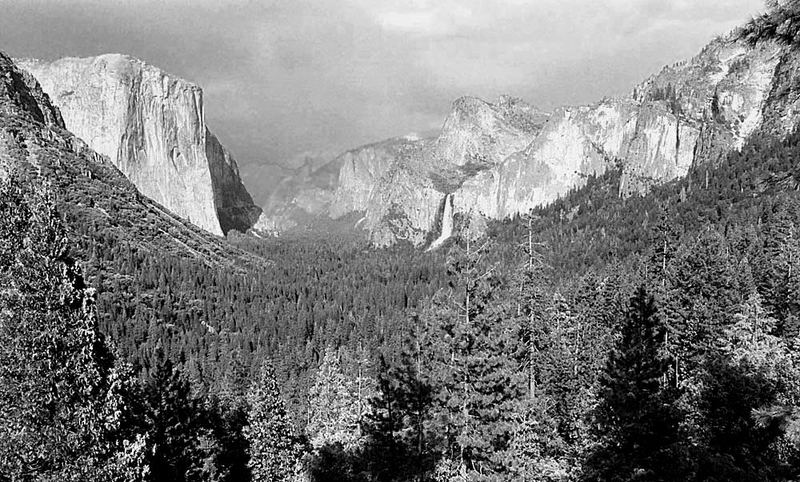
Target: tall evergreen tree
778,265
333,406
477,365
701,295
753,374
637,422
178,428
274,452
397,444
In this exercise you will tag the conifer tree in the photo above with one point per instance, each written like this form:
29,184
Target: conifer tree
746,383
177,426
357,367
274,453
477,364
333,406
779,266
637,422
398,443
533,305
702,294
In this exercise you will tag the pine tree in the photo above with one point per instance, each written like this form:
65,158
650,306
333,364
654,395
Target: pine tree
274,452
701,295
177,426
637,423
357,367
477,365
779,266
398,445
533,304
333,406
63,406
745,385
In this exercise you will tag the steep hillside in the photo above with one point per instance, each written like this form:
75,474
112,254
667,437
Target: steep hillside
152,127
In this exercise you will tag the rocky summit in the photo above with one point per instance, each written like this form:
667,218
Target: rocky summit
152,127
496,160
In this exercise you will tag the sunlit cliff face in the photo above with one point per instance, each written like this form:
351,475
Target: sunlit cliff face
152,127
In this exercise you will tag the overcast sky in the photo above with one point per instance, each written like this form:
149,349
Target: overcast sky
285,76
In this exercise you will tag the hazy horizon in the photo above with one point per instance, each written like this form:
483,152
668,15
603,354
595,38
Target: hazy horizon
284,77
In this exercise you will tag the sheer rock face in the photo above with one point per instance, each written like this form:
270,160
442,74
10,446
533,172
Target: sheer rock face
152,127
403,207
234,206
360,175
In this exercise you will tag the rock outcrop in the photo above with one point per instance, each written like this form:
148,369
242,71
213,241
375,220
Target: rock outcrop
478,133
497,160
152,127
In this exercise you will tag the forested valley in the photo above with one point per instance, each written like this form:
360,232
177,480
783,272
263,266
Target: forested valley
650,337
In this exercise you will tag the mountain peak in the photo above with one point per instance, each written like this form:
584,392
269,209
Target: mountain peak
477,132
92,194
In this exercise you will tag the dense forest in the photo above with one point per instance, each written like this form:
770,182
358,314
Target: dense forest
218,325
608,336
650,337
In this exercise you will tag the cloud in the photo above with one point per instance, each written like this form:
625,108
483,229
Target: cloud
424,19
411,22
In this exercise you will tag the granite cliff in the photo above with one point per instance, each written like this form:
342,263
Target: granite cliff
94,197
152,127
691,112
495,160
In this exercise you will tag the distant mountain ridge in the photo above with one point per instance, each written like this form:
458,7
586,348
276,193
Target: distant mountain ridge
491,160
496,160
151,125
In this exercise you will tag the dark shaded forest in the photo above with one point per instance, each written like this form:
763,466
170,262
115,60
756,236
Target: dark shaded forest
218,325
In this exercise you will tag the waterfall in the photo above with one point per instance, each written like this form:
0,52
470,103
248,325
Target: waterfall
447,223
